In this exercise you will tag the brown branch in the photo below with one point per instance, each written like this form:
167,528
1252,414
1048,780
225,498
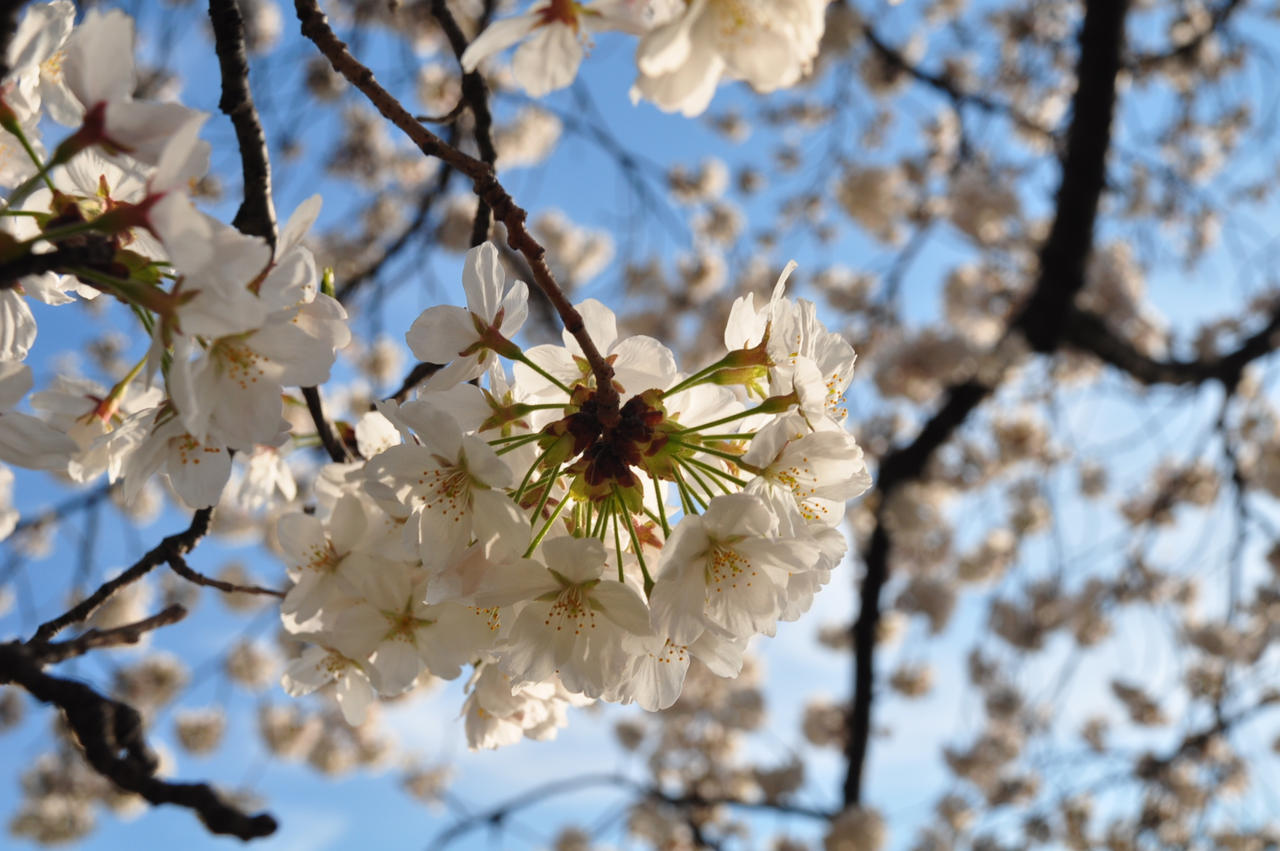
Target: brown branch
416,376
110,734
179,565
1062,263
1090,333
130,633
176,545
315,26
336,448
93,250
257,214
475,94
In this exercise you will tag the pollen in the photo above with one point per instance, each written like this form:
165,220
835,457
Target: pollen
728,567
446,490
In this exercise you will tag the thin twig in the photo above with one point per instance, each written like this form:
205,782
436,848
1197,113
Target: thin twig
179,566
499,813
426,203
67,507
176,545
130,633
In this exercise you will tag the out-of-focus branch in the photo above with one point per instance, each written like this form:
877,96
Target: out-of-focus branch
64,509
257,214
179,565
1089,333
8,26
1186,49
110,732
174,546
336,449
315,26
130,633
475,94
420,373
1062,264
499,813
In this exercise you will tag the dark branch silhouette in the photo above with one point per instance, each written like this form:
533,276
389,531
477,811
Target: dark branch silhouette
1062,264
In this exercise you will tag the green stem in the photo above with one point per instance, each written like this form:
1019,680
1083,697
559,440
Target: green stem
494,441
603,520
662,508
736,460
528,474
697,378
512,445
712,468
546,527
617,548
688,500
28,186
738,416
55,234
635,542
550,480
699,480
557,382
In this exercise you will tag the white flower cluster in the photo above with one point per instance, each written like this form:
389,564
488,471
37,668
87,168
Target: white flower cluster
231,320
568,542
685,49
572,549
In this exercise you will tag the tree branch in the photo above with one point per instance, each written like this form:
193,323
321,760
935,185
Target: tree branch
179,565
93,251
131,633
110,734
315,26
420,373
173,546
257,214
1062,263
1090,333
335,447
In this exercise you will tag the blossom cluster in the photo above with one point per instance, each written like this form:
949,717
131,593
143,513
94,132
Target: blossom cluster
573,549
685,48
232,319
566,541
